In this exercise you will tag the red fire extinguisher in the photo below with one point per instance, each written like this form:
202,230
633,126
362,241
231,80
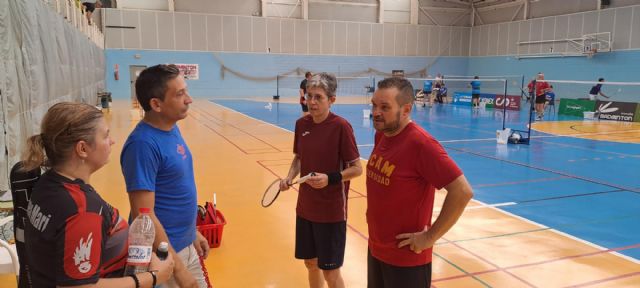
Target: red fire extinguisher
116,73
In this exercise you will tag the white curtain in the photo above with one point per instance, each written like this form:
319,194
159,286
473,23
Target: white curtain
43,60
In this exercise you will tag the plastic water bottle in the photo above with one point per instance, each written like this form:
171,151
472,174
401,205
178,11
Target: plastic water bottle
142,232
163,250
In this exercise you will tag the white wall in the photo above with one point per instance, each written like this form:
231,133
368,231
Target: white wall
159,30
503,38
162,5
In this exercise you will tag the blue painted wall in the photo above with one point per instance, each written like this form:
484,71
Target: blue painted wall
211,83
619,66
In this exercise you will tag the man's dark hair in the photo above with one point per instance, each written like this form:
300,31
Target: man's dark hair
600,79
308,74
152,83
405,89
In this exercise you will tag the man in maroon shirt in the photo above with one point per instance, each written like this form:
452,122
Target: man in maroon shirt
406,166
324,144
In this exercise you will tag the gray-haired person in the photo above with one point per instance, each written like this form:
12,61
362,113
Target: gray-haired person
324,144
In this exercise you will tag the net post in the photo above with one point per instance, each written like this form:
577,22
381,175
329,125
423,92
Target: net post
504,106
277,96
531,110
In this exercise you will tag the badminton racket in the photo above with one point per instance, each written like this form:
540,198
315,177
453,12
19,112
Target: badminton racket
271,194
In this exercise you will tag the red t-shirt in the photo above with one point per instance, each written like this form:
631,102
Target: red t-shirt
541,88
402,174
324,147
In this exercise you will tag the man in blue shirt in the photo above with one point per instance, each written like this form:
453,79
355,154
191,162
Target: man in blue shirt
596,90
475,92
427,89
158,170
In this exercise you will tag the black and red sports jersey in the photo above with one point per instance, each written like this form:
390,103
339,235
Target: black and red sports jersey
73,236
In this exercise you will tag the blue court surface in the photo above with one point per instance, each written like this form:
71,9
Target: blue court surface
585,188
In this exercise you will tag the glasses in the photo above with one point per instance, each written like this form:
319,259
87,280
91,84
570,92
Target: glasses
317,98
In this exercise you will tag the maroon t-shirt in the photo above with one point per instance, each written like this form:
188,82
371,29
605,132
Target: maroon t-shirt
402,174
324,147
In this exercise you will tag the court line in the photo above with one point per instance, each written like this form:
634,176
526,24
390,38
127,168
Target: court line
225,138
486,206
238,128
203,121
466,273
495,236
612,251
594,150
489,262
518,182
606,280
628,258
544,169
569,196
245,115
533,137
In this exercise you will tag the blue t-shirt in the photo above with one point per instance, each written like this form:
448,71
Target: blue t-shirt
475,87
595,89
160,161
427,86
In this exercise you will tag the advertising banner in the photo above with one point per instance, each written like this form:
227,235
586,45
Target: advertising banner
512,102
616,111
576,107
464,98
461,98
189,71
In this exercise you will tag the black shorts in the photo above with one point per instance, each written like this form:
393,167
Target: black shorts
89,7
324,241
383,275
305,108
475,96
541,99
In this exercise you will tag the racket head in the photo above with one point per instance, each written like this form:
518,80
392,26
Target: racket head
271,193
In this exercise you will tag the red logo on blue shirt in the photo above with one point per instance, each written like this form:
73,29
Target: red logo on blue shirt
182,151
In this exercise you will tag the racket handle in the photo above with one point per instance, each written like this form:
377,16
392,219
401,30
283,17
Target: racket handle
303,179
215,217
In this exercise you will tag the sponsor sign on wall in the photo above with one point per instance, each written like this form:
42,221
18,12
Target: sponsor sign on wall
488,99
576,107
512,102
616,111
461,98
464,98
189,71
637,118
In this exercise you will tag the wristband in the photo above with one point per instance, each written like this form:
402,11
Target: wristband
334,178
135,279
153,275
